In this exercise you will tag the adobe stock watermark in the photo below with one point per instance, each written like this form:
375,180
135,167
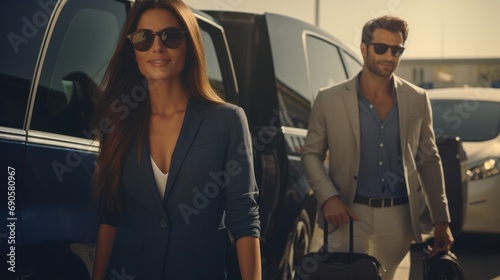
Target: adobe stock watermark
310,264
211,190
31,26
122,106
122,275
11,219
393,7
221,179
225,5
455,116
425,149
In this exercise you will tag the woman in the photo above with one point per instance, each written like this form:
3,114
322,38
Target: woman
175,166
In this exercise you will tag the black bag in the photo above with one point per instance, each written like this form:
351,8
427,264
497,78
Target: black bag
337,265
442,266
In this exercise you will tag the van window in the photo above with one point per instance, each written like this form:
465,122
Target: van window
295,109
352,65
22,27
83,41
212,62
325,64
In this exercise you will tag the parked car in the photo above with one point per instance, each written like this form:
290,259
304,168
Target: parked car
473,115
280,64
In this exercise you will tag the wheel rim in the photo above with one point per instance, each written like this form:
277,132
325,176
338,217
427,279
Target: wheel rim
298,248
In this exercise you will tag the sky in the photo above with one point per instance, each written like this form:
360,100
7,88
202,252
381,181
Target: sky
438,28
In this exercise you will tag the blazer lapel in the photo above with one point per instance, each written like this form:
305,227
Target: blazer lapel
350,98
190,126
403,109
142,179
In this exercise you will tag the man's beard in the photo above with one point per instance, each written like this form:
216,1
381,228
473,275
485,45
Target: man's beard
373,66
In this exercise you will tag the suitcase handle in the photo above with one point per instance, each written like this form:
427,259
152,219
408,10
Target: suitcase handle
351,235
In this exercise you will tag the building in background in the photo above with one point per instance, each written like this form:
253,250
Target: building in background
442,73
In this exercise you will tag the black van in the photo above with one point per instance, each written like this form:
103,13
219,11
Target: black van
53,54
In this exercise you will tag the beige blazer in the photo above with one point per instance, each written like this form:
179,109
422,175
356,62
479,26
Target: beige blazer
334,127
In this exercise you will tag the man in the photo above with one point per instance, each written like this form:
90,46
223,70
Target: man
382,155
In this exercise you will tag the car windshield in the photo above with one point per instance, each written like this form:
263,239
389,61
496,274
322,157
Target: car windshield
471,120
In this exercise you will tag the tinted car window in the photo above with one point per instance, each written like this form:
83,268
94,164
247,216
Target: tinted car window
22,29
352,65
212,62
325,64
84,39
296,108
471,120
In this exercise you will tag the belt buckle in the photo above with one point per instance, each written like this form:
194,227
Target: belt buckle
382,201
372,199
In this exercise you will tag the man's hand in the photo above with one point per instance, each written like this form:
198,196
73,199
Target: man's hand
336,212
443,239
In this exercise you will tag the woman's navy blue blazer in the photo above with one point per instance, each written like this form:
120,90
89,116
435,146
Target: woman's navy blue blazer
211,186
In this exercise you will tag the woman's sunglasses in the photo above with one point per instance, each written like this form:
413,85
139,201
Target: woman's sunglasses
381,48
143,39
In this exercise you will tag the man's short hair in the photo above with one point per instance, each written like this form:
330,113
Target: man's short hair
389,23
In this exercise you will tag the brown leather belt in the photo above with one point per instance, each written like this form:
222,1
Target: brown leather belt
379,202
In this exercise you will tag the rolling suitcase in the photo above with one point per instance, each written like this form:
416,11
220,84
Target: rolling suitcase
323,265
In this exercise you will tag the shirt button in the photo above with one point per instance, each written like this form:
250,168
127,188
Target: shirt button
380,163
381,144
371,106
383,180
163,223
382,127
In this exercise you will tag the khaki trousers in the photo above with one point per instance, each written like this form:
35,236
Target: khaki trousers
384,233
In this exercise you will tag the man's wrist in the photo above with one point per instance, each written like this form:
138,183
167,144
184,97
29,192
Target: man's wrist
331,197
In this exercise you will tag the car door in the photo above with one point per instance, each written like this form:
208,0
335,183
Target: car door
20,47
218,60
57,209
60,151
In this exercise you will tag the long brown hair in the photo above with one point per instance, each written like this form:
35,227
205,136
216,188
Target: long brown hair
116,123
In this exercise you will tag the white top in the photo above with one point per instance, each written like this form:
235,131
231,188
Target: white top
160,178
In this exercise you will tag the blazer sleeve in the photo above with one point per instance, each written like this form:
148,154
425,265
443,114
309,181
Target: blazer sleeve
242,211
430,169
109,218
314,153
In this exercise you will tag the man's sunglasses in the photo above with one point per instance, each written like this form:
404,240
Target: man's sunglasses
143,39
381,48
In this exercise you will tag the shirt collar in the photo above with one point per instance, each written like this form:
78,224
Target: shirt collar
358,87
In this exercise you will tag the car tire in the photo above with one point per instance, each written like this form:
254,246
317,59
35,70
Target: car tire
297,245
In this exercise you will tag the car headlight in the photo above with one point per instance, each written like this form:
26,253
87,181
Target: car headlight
486,169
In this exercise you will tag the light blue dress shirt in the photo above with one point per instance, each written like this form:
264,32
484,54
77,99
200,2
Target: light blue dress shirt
381,169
